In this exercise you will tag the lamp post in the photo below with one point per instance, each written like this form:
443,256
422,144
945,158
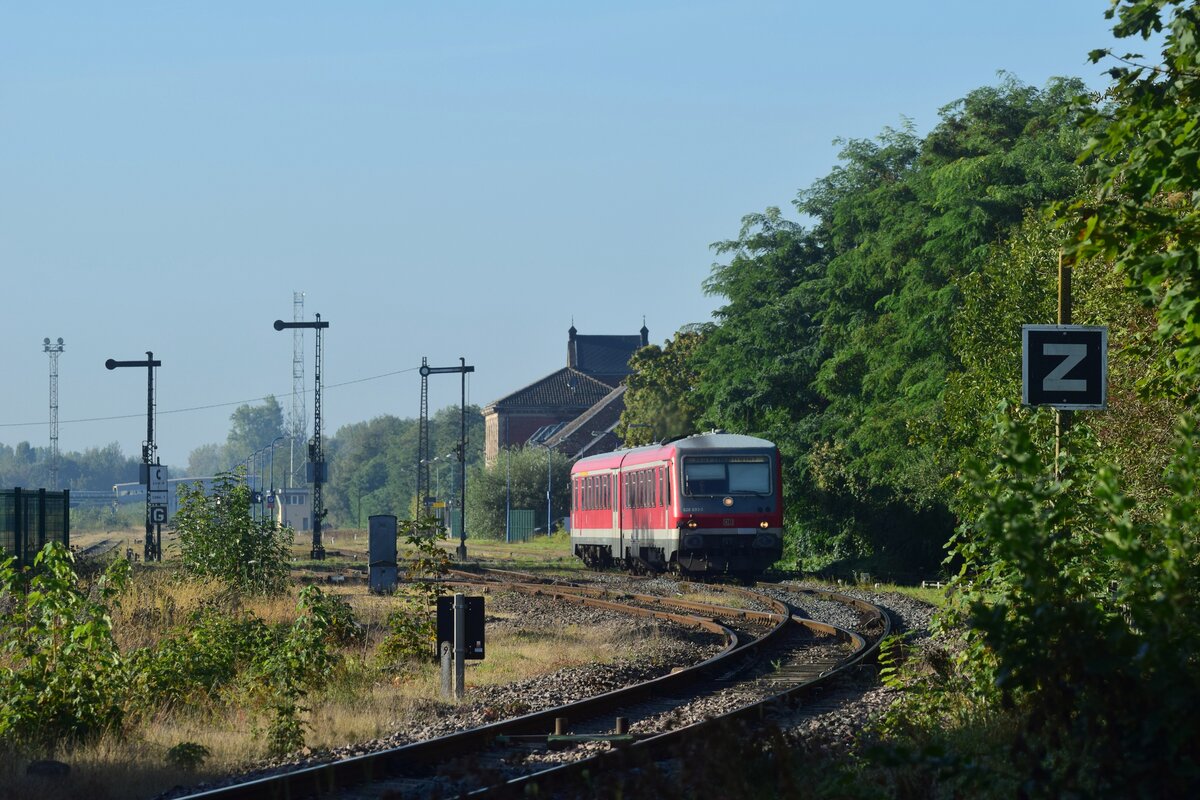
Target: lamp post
271,504
549,460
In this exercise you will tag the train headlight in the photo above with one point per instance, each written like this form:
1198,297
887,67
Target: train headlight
691,523
727,502
764,524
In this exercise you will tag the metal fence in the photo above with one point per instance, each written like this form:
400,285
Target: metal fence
520,525
29,519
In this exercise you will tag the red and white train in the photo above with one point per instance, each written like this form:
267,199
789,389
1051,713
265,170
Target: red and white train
710,503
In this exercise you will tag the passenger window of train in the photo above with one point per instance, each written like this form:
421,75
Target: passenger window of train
750,477
703,477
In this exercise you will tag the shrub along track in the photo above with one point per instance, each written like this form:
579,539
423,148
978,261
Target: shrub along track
770,655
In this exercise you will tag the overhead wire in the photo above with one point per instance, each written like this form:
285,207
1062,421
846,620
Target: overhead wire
158,412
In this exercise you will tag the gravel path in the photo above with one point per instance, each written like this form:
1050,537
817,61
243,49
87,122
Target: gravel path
656,647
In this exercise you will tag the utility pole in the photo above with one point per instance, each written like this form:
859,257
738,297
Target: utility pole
155,512
316,455
1062,416
462,369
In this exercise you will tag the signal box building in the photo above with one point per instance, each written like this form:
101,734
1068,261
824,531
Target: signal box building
573,409
292,507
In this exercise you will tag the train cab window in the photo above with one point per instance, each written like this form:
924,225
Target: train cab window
710,475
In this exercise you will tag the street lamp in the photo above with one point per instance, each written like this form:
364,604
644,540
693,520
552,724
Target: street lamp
549,519
274,442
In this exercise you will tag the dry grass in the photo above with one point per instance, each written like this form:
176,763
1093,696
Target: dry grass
713,596
361,702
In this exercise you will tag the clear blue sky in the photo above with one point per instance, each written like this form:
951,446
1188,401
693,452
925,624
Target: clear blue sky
441,179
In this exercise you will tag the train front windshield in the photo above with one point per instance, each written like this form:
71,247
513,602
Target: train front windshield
726,475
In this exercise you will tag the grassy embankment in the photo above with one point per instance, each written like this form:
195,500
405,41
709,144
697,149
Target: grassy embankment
364,698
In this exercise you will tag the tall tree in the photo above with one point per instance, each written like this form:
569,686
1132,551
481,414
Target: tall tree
253,428
660,403
1145,214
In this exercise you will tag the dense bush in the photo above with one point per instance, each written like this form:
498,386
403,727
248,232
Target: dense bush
218,537
1080,626
62,678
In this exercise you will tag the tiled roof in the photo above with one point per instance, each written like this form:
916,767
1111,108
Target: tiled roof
592,431
605,355
567,388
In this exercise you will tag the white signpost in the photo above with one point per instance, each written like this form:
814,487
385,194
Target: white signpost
158,498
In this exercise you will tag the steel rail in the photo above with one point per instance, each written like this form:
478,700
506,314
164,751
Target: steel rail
333,777
662,745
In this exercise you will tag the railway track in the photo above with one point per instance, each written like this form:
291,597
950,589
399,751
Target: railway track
770,654
98,549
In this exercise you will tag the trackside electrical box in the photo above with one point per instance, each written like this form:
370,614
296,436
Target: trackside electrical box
474,621
381,553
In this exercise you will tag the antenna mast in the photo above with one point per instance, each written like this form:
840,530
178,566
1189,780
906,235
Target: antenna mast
53,350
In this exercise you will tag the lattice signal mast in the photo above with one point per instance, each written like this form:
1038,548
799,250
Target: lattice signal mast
316,455
423,443
299,425
54,350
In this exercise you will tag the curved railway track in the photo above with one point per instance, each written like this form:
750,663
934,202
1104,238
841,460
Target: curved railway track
771,655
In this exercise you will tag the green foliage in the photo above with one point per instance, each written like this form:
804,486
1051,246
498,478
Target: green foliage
517,480
96,468
218,537
300,662
1082,621
220,658
835,341
252,428
199,664
659,401
1016,286
373,464
1144,214
411,626
62,676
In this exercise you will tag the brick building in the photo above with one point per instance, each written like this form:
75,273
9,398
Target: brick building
587,390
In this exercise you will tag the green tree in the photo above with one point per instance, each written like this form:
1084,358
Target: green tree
517,481
1144,215
660,403
253,428
1017,285
1083,619
835,340
373,464
208,459
61,679
218,537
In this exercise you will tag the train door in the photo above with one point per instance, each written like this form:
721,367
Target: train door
614,495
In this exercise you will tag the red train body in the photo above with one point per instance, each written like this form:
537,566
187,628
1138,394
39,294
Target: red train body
710,503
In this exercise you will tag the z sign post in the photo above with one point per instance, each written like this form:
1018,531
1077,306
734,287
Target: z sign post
1064,366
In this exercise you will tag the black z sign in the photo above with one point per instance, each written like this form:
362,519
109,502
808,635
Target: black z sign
1064,366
